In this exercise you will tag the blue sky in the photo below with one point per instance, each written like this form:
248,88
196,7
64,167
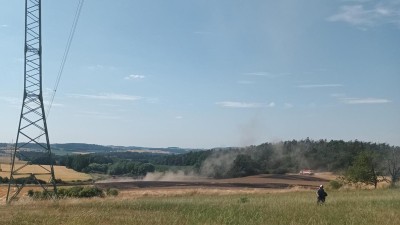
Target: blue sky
208,73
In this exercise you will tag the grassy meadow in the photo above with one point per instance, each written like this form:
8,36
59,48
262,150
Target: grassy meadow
298,207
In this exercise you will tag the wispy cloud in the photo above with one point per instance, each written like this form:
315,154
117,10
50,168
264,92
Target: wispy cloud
3,25
107,96
17,102
364,16
47,103
364,100
231,104
134,77
178,117
265,74
96,115
262,74
319,85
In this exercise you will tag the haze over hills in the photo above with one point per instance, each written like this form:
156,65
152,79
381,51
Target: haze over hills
84,148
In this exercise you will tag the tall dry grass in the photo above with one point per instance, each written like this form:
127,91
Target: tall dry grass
287,208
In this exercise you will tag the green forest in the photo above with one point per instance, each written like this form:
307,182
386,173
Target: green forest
276,158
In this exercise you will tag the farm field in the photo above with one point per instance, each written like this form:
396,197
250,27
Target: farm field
61,172
354,207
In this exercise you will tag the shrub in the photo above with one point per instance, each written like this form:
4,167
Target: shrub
30,193
74,192
62,192
37,195
334,184
80,192
59,181
89,192
112,192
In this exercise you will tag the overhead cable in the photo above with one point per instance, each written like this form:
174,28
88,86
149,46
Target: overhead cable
65,56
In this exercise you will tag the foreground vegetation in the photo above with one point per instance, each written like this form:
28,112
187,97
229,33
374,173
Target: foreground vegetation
343,207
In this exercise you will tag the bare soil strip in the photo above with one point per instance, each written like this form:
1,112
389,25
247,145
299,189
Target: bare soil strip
269,181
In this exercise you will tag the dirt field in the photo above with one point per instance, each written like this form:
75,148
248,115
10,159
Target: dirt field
265,181
258,183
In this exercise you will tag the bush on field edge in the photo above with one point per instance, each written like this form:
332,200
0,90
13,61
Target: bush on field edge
73,192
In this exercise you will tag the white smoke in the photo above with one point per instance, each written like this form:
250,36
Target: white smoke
251,131
218,163
172,176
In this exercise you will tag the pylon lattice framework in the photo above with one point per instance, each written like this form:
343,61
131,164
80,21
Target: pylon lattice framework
32,124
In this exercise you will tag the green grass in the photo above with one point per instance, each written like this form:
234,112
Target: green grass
342,207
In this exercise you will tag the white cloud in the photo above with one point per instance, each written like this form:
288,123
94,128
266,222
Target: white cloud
4,25
134,77
108,96
355,15
231,104
361,16
178,117
364,100
319,85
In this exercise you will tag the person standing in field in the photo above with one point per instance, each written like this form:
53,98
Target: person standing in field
321,195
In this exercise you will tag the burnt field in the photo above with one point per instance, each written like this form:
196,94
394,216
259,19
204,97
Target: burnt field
184,185
264,181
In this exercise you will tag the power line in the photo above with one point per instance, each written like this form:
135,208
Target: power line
65,56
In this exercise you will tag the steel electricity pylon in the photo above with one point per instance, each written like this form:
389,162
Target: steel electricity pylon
32,129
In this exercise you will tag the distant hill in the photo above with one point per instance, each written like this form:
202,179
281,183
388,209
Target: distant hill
83,148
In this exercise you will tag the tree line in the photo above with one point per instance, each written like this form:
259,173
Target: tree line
354,159
116,163
133,164
358,161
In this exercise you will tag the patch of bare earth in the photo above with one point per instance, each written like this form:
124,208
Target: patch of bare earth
264,183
